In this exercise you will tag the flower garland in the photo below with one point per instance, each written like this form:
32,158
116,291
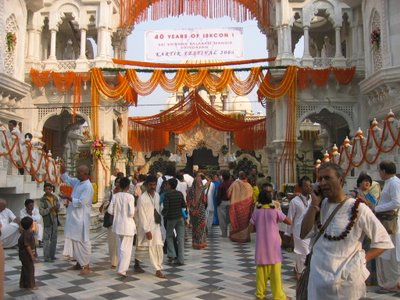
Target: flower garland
11,41
97,149
375,39
346,231
116,152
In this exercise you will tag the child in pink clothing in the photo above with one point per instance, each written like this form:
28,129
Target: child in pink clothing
268,256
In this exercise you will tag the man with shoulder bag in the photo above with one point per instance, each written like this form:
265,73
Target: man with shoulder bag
337,224
388,264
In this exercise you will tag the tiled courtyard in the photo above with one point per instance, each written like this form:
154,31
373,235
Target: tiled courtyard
224,270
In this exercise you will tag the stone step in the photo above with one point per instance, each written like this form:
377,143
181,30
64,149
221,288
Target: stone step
8,190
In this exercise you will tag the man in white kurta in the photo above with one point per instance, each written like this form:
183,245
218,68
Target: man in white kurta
388,264
77,227
122,207
30,211
297,208
9,226
148,231
210,191
338,265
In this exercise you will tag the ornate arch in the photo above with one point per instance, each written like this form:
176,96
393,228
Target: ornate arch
43,120
317,110
59,11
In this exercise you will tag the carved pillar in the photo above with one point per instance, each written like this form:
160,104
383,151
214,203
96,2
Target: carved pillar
338,52
212,99
83,44
307,60
53,39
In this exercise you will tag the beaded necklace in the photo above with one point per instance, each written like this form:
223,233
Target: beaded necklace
346,231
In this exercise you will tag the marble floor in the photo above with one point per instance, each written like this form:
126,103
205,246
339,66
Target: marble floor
224,270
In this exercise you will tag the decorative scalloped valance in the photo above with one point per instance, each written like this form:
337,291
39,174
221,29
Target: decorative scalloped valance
152,133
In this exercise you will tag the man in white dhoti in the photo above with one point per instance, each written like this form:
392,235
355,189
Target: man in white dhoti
297,208
9,226
30,211
149,229
122,207
388,264
78,223
338,264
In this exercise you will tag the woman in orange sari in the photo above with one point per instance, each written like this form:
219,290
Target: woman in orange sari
241,195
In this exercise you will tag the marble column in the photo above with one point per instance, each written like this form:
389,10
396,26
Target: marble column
307,60
83,44
53,38
338,52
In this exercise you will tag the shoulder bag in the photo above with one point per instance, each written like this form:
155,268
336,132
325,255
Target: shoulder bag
108,218
302,284
388,220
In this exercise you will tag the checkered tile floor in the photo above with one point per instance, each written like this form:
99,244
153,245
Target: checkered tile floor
224,270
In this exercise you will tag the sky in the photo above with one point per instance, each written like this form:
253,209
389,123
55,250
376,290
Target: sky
255,46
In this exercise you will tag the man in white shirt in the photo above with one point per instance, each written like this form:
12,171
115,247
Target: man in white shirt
388,264
122,207
148,230
338,263
9,226
297,208
77,227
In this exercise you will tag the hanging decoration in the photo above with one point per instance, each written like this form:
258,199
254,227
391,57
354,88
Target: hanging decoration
33,160
320,77
153,133
97,148
367,149
11,41
64,82
375,39
133,12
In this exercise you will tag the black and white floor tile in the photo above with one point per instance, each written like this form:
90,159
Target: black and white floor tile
224,270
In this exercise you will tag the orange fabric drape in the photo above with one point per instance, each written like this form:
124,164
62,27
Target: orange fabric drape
133,12
63,81
152,133
320,76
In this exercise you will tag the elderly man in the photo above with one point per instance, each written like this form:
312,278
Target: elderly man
9,226
78,223
338,264
388,264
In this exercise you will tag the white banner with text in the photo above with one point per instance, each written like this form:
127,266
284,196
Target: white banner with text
194,44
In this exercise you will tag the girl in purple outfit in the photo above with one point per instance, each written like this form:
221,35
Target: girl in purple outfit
268,256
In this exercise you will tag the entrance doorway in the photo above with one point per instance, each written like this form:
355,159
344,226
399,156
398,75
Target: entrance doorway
203,158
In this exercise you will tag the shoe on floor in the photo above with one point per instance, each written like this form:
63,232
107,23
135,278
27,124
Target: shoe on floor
160,274
75,267
138,269
122,275
85,271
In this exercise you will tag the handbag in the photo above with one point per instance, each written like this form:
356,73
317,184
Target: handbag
157,217
108,220
388,220
302,283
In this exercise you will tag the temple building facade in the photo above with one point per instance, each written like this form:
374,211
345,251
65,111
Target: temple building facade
346,78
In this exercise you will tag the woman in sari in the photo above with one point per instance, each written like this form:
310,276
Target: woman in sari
197,212
241,195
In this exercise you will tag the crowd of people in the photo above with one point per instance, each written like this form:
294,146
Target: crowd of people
148,216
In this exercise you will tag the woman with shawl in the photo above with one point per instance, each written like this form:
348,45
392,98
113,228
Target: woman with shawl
241,195
197,212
